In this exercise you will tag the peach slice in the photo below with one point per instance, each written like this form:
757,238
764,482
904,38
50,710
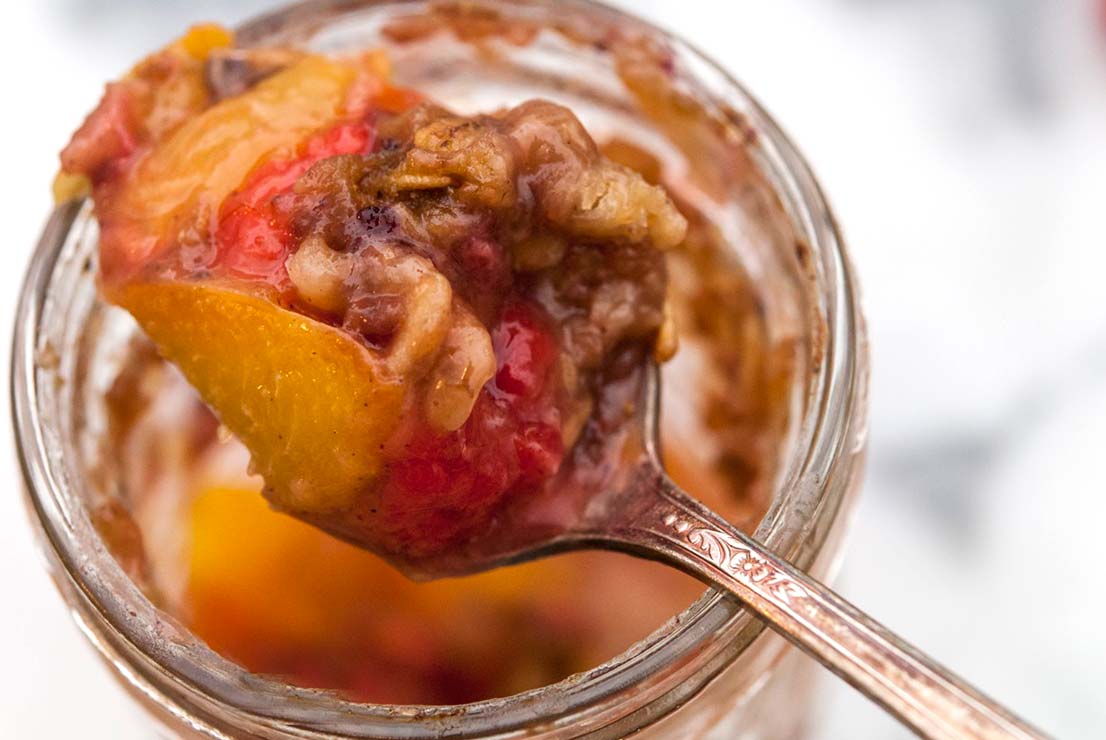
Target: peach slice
313,406
187,176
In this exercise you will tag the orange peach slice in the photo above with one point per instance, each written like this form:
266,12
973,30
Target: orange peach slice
187,176
313,406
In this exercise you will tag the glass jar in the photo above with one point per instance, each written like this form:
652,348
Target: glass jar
712,671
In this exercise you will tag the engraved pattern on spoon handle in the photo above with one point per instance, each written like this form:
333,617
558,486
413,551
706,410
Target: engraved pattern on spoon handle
926,697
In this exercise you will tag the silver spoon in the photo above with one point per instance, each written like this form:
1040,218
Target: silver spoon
648,515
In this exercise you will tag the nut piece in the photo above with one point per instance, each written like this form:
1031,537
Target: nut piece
612,202
319,274
428,304
477,158
465,363
583,193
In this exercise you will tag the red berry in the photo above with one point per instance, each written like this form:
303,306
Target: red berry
444,486
253,239
525,352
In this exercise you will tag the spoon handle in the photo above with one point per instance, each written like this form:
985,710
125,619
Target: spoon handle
927,698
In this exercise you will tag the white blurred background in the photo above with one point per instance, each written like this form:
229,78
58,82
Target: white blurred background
963,143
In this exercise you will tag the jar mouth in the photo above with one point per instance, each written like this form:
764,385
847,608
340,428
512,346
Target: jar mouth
172,668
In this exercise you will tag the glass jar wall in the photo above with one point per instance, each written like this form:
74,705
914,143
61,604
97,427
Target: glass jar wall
711,671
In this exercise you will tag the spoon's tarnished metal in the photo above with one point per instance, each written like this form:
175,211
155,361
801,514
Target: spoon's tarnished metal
644,513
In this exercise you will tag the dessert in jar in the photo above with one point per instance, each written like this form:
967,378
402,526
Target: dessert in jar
355,203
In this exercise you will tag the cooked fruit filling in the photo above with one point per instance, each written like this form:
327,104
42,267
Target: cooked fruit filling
408,316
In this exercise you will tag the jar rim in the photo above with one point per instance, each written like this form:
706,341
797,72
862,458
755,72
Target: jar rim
714,630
